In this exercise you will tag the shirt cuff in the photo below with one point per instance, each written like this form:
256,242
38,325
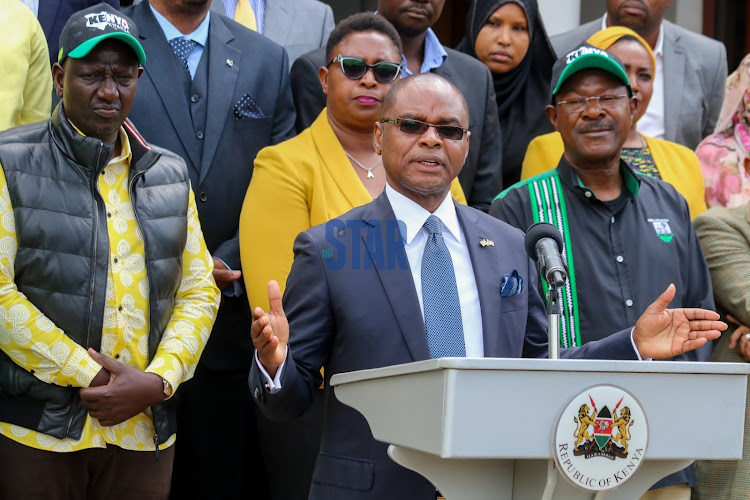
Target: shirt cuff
273,385
637,353
236,289
79,370
171,376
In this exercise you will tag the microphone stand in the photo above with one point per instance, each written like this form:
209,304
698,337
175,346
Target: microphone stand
554,311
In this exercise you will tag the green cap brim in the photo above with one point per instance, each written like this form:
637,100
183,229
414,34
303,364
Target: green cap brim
592,60
87,46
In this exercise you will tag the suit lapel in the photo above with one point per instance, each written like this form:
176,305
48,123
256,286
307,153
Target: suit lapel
486,264
161,70
674,68
278,21
223,72
398,283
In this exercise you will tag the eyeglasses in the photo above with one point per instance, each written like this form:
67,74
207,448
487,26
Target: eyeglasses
415,127
355,68
579,105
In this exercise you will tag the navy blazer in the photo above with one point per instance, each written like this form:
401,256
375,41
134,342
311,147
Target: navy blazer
366,314
53,14
240,62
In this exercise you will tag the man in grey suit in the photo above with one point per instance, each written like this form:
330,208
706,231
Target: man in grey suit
363,293
690,69
423,52
215,93
297,25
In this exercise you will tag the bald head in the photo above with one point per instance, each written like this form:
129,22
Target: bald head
423,138
429,85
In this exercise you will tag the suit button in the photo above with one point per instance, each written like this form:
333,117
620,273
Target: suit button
194,98
203,196
256,393
199,135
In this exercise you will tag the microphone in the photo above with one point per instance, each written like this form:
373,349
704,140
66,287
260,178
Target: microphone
544,243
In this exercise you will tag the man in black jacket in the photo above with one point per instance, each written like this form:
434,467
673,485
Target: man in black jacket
105,283
423,52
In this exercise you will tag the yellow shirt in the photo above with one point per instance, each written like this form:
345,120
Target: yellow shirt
35,343
26,81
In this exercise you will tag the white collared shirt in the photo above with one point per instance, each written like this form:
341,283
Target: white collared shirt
652,123
414,216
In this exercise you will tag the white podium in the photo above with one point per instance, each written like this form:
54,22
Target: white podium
482,429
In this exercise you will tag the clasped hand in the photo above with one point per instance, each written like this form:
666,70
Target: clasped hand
119,392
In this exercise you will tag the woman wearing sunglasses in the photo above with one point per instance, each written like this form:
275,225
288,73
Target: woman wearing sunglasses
327,170
508,36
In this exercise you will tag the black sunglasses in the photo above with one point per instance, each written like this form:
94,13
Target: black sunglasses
355,68
415,127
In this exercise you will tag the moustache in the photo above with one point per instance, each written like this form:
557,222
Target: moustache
596,127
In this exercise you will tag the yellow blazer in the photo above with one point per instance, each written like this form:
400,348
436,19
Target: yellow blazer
677,165
297,184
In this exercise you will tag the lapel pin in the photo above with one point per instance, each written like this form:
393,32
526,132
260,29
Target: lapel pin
486,243
230,63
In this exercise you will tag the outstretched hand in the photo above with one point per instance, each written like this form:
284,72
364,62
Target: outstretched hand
127,393
662,333
270,331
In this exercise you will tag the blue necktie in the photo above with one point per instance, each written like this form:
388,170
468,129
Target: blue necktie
442,309
182,47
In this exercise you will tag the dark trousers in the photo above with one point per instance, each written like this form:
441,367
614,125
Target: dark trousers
217,442
112,473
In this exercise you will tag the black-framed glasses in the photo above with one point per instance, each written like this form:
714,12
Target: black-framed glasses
415,127
580,104
355,68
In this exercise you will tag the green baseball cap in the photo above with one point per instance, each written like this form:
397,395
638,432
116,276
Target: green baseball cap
586,56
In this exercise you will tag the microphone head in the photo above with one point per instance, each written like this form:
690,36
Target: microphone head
538,231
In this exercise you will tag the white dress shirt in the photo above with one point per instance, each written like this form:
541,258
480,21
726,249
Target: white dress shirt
414,216
652,123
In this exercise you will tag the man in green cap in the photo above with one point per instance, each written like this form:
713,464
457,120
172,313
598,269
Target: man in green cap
627,236
106,292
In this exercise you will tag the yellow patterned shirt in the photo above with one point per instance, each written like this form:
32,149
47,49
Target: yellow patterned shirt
35,343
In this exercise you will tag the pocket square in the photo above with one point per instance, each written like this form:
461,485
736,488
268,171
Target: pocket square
246,107
512,284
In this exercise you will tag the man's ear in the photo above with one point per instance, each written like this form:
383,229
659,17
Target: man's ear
140,71
58,76
634,101
552,114
323,77
377,138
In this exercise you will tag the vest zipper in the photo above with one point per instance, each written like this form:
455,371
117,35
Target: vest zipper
150,288
94,190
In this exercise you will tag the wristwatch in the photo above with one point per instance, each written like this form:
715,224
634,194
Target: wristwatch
167,388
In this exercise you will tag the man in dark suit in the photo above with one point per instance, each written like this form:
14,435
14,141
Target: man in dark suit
216,99
360,287
53,14
480,178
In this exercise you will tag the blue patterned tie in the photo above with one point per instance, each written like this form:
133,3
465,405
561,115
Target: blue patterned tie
182,47
442,309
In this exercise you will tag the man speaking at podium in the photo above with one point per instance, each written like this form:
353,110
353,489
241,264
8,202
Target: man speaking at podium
412,276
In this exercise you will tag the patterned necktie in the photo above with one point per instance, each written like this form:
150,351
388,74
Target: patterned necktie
442,309
182,47
245,15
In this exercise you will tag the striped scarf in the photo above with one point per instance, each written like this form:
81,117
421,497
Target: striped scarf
548,204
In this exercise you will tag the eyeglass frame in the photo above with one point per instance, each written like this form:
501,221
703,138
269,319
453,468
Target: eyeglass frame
584,101
398,121
340,59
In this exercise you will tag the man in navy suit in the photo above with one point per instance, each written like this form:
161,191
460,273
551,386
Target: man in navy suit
360,287
215,93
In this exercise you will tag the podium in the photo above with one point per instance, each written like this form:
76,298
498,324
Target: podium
482,429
